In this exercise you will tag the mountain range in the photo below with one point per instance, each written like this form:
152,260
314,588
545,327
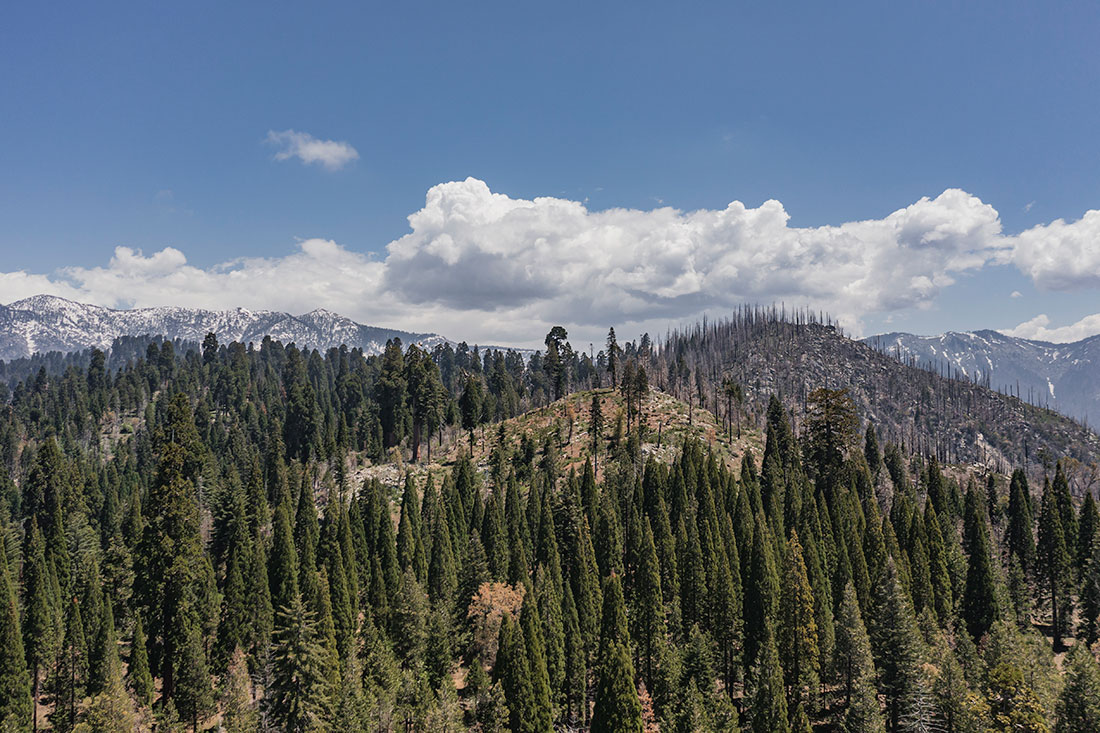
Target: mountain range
790,356
45,323
1064,377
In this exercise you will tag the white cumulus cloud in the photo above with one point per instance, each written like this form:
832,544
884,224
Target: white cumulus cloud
471,248
483,266
331,154
1039,329
1061,255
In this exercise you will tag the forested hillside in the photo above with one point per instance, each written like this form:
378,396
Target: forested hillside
268,539
960,420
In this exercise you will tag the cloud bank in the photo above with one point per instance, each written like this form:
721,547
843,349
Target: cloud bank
484,266
329,154
1038,328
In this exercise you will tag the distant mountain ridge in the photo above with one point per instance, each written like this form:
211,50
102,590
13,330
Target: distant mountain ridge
1064,377
768,352
44,323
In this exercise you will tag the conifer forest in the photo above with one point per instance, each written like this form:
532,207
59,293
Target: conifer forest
661,535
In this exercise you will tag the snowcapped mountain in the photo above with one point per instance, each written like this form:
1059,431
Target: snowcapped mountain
1065,377
47,323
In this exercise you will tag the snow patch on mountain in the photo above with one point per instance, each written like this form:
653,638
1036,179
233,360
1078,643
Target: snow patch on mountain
44,323
1065,376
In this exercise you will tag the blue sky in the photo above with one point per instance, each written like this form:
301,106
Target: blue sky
145,126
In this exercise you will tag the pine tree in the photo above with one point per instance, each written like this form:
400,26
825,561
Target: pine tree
1079,704
613,624
1089,626
470,405
390,391
282,564
439,648
938,564
613,358
171,558
800,723
1013,705
72,669
351,708
574,685
895,643
596,429
856,668
15,689
617,709
110,711
240,714
919,714
234,620
296,699
409,619
193,694
1070,528
798,649
761,592
767,703
410,541
1087,525
979,603
993,503
536,663
103,658
514,675
548,598
1053,563
260,613
442,578
649,615
41,621
137,671
1020,535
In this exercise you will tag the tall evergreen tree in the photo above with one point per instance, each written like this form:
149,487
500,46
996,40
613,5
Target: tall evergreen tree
531,628
856,668
761,592
15,689
41,621
938,560
649,612
613,358
798,650
240,714
1089,625
979,603
1013,704
194,696
390,391
895,643
297,698
1079,703
72,670
617,709
767,701
513,672
1053,564
1066,509
171,554
1087,525
137,670
1020,535
282,568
